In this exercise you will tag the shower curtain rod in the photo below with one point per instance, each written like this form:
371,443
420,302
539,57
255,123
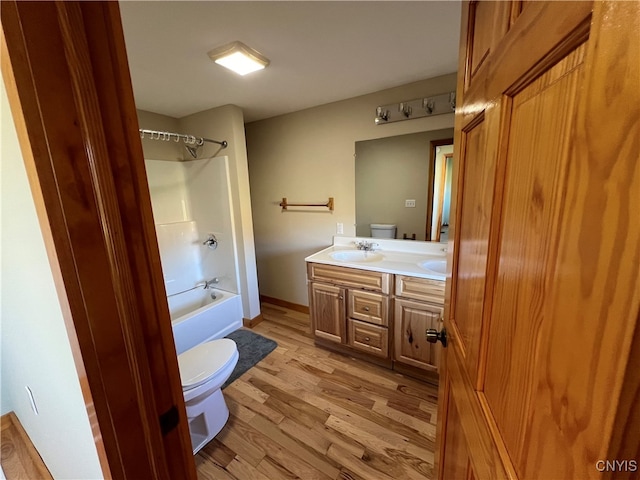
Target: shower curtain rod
188,139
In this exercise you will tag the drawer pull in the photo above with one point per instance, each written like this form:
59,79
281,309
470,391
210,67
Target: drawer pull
366,309
367,339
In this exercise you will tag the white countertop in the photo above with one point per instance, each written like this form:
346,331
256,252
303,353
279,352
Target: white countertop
400,257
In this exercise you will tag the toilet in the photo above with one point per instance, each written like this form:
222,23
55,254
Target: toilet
203,370
383,230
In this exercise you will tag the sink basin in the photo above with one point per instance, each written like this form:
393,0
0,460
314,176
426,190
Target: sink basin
435,266
357,256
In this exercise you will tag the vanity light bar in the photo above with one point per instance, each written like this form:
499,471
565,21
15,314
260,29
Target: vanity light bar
419,108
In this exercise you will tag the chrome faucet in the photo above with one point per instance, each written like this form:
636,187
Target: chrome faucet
364,245
208,283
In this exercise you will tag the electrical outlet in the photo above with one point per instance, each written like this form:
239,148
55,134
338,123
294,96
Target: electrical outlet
410,203
339,228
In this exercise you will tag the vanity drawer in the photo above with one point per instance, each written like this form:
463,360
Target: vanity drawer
350,277
369,307
420,289
372,339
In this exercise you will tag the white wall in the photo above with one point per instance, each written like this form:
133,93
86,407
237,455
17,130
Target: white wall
308,156
35,347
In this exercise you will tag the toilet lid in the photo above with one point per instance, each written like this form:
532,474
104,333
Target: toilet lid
200,363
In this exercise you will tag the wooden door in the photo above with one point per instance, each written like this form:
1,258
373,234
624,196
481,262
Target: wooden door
541,373
411,319
327,309
65,68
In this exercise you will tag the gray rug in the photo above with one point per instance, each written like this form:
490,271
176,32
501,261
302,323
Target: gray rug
251,349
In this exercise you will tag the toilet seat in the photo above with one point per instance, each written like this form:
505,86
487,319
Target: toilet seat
202,362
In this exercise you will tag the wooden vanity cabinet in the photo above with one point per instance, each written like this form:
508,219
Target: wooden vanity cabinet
350,309
351,312
418,306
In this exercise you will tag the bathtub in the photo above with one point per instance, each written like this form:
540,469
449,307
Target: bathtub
197,317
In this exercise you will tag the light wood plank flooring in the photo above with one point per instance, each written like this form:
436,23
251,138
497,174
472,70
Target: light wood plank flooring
19,458
304,412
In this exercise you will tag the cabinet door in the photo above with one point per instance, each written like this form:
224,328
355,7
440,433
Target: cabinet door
327,312
411,320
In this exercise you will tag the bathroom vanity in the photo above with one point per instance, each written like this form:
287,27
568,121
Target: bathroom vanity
378,304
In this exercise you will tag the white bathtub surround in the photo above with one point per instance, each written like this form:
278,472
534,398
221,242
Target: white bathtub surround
211,206
192,200
402,257
181,255
197,317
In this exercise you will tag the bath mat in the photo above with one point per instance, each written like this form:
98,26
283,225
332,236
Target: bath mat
251,349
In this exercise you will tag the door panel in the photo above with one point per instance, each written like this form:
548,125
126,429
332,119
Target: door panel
479,144
489,22
456,460
542,120
543,304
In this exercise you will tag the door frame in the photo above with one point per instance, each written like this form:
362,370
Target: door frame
65,68
432,173
441,197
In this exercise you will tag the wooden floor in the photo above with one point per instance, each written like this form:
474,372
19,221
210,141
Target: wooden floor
19,458
304,412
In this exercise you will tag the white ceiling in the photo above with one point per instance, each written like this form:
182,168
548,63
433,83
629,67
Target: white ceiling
320,52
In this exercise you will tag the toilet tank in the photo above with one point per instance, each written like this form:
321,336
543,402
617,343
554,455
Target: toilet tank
383,230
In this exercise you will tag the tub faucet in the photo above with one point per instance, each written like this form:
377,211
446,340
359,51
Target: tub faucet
208,283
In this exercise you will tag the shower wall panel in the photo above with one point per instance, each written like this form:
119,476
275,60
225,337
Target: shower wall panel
169,198
207,185
191,200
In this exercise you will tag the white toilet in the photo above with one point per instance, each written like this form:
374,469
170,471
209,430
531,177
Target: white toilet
203,370
383,230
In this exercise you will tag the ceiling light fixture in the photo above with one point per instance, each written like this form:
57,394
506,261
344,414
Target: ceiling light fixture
238,57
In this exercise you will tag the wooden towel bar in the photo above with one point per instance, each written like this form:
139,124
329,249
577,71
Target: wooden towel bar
284,204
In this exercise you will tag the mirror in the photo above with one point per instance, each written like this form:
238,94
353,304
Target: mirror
405,180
